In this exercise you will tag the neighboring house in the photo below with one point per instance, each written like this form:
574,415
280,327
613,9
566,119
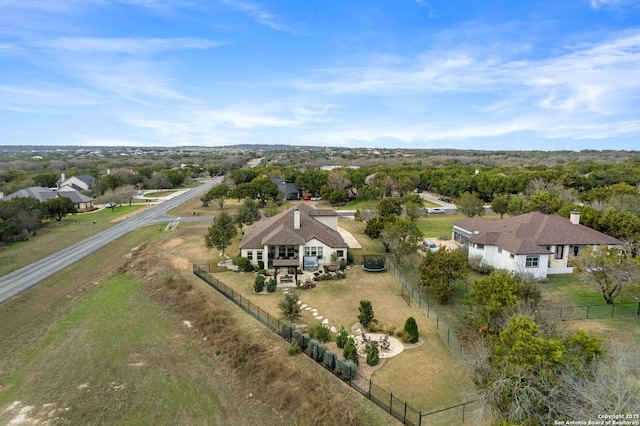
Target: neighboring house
83,203
535,243
75,183
299,237
287,191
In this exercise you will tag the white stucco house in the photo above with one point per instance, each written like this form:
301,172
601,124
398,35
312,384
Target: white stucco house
533,243
302,237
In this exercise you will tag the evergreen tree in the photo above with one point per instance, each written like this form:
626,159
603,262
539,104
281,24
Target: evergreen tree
221,232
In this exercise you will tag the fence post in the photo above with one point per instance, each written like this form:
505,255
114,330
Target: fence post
638,313
369,387
448,333
420,421
437,322
463,406
390,403
560,313
404,419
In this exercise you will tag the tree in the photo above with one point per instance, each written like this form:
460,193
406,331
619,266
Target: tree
265,190
546,202
290,307
500,205
366,313
390,207
608,269
221,232
400,237
338,180
271,209
518,205
350,351
440,270
470,205
218,194
491,296
413,206
341,337
411,330
247,213
373,354
58,207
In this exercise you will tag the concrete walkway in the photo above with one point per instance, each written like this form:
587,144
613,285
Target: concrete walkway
432,198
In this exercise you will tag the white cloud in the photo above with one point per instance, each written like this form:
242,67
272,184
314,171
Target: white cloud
130,46
257,13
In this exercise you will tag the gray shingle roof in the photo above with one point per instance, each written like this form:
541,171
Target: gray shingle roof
279,230
530,233
43,194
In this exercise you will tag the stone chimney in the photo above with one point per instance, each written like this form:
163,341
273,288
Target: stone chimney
296,218
63,177
574,217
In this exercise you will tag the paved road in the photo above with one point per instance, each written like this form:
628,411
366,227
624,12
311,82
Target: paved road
24,278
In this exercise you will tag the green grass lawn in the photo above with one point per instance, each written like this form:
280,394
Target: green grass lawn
115,360
54,236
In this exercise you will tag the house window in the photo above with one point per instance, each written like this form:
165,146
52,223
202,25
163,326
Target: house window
480,246
250,255
499,250
532,261
340,253
259,254
575,250
313,251
559,252
511,255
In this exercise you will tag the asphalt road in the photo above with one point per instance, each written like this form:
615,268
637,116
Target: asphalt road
24,278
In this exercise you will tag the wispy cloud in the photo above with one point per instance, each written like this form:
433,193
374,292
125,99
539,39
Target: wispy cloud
132,46
258,13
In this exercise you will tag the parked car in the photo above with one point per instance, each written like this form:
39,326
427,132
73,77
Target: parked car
110,205
307,197
316,198
430,245
435,211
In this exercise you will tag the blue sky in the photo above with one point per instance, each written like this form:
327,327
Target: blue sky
466,74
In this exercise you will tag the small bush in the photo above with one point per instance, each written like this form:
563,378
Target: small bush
294,349
261,271
349,257
258,284
271,285
260,264
244,264
346,369
297,337
312,348
366,313
305,341
320,351
287,331
342,337
373,355
290,271
350,351
320,332
329,360
411,330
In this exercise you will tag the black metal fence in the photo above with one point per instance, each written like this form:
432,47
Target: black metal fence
399,409
594,311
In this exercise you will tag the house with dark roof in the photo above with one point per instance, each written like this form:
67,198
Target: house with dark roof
83,203
302,237
75,183
286,191
533,243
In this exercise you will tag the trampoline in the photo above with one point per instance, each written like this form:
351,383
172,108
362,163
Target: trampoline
373,263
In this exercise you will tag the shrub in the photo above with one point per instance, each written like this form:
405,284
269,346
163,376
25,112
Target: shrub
271,285
258,284
411,330
287,331
349,257
290,271
260,264
294,349
346,369
373,354
343,264
305,341
297,337
320,332
366,313
350,351
342,337
244,264
329,360
320,351
312,348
